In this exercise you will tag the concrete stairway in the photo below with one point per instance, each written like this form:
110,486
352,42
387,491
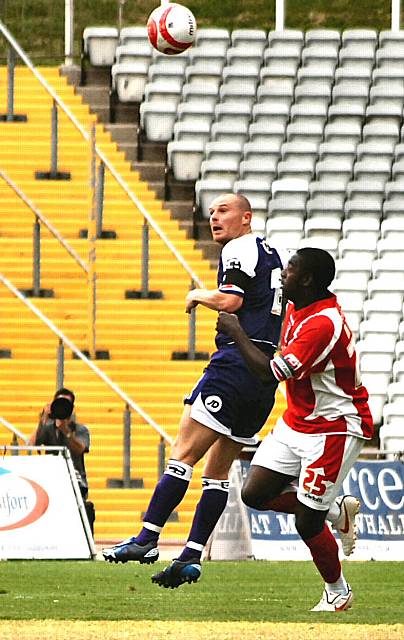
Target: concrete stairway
139,335
148,158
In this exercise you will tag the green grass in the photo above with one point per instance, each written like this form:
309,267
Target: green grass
228,591
39,24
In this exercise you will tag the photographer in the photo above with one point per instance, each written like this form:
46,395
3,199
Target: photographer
57,427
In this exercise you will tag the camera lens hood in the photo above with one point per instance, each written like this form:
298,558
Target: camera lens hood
61,408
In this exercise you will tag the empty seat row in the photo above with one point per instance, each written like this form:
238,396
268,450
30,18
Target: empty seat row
330,41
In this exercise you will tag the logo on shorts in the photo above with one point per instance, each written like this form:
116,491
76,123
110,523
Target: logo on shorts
213,403
314,498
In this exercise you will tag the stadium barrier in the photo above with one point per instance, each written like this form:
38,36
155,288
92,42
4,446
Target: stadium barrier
244,533
42,514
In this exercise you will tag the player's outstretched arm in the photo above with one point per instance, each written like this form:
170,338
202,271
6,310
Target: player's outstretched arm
256,360
213,299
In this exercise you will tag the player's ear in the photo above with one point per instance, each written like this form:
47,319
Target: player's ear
247,215
307,279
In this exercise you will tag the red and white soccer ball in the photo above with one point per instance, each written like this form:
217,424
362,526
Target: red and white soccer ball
171,28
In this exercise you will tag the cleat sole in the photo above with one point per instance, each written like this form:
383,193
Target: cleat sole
151,560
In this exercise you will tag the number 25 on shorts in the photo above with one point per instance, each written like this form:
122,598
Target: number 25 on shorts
314,482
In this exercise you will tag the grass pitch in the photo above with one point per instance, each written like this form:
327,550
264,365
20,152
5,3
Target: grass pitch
247,592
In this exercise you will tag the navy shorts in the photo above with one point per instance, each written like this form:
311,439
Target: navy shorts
230,399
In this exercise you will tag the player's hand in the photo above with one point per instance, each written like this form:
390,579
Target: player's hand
227,323
190,302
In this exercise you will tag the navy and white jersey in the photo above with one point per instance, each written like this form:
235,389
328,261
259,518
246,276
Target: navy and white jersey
250,268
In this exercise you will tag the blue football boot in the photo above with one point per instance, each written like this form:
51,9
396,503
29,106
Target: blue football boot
129,549
178,573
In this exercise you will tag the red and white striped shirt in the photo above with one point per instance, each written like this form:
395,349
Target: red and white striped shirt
319,363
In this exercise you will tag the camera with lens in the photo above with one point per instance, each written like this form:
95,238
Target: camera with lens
61,408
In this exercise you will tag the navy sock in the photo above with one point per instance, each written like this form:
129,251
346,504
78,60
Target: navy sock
208,511
168,493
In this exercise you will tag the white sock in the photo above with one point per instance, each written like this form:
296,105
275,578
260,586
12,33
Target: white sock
334,513
337,587
178,469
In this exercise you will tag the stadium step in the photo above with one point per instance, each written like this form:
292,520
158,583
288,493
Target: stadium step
140,335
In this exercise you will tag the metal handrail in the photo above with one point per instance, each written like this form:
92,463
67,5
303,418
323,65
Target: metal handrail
14,429
33,447
45,221
102,157
82,357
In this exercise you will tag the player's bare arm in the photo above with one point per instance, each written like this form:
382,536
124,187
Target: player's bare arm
256,360
213,299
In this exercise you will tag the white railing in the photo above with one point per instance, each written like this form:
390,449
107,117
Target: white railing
395,15
70,344
72,252
14,430
101,156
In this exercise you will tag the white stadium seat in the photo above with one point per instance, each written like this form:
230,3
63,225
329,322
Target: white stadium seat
219,168
264,111
208,77
197,131
211,58
275,94
157,120
262,150
141,52
236,74
161,91
338,149
255,168
327,37
296,167
337,169
178,62
184,158
250,57
199,93
237,114
237,94
250,38
273,132
172,74
213,37
227,133
129,80
133,36
286,38
197,113
222,150
326,205
100,44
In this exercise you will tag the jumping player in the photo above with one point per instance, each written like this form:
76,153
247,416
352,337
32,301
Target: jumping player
229,404
327,419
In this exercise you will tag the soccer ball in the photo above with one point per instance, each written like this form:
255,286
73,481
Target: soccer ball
171,28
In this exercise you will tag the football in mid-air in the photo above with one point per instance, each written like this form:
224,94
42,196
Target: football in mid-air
171,28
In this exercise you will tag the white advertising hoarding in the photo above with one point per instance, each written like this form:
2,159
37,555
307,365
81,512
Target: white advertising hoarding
41,511
379,485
